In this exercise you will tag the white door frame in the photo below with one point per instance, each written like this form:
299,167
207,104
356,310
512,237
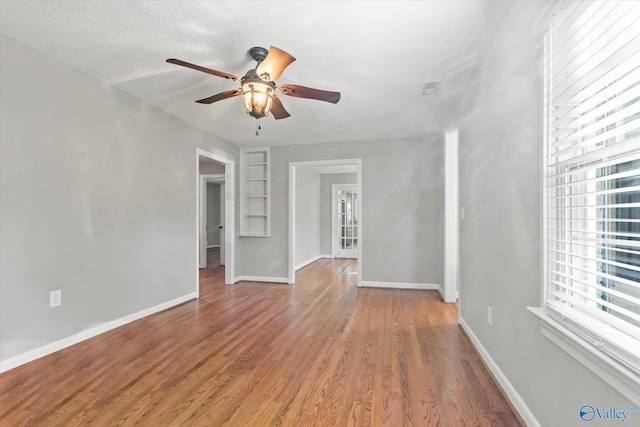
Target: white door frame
334,239
230,217
451,217
204,180
292,209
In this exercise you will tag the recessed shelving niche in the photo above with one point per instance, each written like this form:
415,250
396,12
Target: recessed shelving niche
255,192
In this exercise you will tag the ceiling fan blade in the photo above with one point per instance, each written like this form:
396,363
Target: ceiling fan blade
277,109
203,69
310,93
219,97
274,64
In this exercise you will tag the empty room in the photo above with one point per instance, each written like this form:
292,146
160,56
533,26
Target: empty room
366,213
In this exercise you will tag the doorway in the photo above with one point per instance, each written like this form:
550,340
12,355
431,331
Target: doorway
344,221
212,228
215,168
326,167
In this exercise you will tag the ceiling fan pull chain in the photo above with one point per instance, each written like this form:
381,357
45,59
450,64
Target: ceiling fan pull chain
258,127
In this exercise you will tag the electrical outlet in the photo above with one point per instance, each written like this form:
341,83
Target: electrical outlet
489,316
55,298
463,213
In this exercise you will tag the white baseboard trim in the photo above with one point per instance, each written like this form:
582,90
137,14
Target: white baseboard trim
326,256
261,279
307,262
47,349
398,285
516,399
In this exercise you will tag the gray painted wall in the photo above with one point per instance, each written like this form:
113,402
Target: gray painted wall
326,181
98,199
307,215
211,167
500,157
403,194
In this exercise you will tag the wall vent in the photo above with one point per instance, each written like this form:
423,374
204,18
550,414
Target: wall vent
429,88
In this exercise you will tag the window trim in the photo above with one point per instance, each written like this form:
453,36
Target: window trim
614,373
589,354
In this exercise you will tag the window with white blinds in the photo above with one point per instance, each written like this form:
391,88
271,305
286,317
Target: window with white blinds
592,174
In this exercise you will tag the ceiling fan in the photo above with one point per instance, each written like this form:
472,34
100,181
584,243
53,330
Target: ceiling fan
258,86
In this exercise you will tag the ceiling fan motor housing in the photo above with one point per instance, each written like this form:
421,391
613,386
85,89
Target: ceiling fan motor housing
258,53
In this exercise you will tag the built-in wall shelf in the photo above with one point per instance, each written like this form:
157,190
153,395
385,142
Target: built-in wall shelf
255,192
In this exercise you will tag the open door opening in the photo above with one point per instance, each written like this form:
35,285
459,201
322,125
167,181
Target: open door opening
222,256
314,234
344,221
216,213
214,221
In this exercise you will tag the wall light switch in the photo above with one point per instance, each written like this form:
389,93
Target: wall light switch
55,298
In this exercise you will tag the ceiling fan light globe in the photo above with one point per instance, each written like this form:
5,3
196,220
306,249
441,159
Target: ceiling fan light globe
257,98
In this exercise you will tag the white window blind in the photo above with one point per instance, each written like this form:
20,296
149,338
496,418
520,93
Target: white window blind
592,174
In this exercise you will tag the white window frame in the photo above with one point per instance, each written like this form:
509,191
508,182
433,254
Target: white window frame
569,334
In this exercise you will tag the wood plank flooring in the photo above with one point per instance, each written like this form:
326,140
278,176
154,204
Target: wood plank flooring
320,352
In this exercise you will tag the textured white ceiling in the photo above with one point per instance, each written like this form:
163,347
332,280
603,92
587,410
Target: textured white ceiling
378,54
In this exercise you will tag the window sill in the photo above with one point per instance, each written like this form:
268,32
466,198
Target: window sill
609,370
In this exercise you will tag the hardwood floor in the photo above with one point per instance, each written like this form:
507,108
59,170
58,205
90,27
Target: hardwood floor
320,352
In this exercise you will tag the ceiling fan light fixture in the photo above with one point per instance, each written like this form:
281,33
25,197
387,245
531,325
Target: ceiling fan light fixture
258,85
257,97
